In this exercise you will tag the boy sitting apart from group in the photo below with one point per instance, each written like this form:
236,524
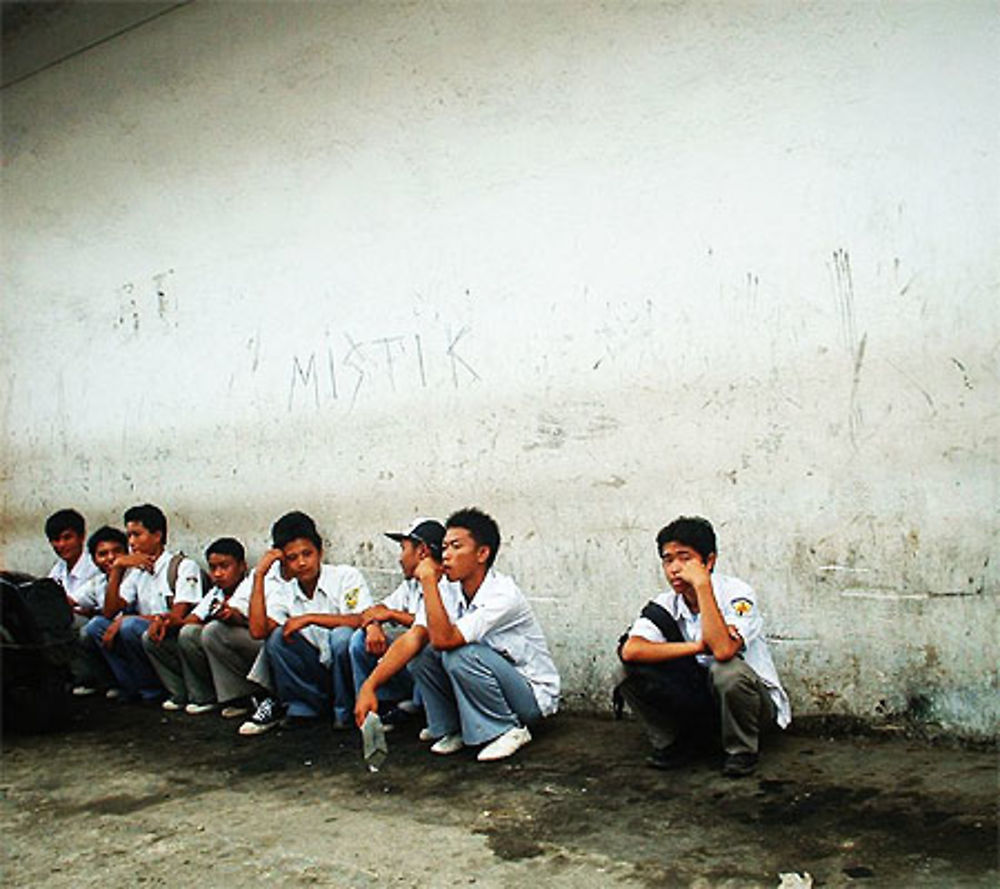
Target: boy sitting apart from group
149,589
487,673
66,533
307,625
178,656
696,662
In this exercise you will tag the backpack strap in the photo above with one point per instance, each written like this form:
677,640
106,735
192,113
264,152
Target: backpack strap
172,570
664,621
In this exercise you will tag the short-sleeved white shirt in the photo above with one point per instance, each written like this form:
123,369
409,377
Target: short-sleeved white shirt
738,604
204,608
150,593
406,597
240,599
91,593
340,589
499,616
73,578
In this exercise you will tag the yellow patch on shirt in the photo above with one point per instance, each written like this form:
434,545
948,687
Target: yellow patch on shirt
351,598
742,606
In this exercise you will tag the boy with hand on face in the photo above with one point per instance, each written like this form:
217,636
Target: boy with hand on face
308,625
90,671
487,673
421,540
149,590
65,531
179,657
696,662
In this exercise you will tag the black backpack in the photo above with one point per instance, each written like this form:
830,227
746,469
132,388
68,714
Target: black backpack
37,642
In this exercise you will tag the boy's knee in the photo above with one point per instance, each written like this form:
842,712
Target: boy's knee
190,635
341,639
731,677
358,642
211,634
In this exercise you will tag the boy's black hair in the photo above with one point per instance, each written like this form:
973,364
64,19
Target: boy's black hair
150,517
482,527
64,520
227,546
292,526
106,534
693,531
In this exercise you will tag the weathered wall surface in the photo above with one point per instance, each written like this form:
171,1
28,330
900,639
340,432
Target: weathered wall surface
587,266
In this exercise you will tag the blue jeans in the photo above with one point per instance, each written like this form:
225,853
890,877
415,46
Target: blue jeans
398,688
127,658
475,690
306,685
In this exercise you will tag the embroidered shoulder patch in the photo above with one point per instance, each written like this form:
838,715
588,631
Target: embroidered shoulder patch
351,598
742,606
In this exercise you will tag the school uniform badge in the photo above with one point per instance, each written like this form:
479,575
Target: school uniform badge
742,606
351,598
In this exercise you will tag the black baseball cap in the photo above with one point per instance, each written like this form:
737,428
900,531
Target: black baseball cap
429,531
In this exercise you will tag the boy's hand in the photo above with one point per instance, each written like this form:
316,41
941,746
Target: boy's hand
293,625
268,559
428,569
375,640
108,639
367,702
143,561
375,612
157,629
694,573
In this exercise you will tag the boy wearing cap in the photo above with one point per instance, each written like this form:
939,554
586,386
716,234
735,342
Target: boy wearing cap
696,661
307,625
420,541
65,531
487,673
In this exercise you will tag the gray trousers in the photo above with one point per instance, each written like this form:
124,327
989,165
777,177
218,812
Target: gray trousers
180,662
741,700
231,652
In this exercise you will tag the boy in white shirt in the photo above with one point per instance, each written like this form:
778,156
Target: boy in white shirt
308,627
66,533
148,590
696,661
179,658
487,673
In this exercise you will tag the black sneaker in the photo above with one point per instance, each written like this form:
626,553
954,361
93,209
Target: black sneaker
265,717
676,756
739,765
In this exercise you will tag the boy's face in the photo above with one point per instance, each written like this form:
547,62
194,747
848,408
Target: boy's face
226,571
142,540
409,556
68,546
106,552
462,556
674,556
302,559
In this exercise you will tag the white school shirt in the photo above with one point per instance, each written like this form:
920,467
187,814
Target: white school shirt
150,593
499,616
91,593
71,579
240,599
207,604
738,604
340,589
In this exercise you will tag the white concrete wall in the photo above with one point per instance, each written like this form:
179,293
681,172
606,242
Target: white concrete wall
586,265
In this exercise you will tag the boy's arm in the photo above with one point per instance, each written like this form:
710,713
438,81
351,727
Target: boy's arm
721,641
400,653
113,601
640,650
442,633
260,624
327,621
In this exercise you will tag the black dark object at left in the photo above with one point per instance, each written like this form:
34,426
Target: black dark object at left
37,640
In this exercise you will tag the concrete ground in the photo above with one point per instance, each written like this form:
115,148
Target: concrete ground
130,796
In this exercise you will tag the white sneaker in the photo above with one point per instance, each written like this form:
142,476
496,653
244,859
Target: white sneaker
83,691
426,734
231,711
509,742
448,744
112,694
194,709
266,717
171,705
409,707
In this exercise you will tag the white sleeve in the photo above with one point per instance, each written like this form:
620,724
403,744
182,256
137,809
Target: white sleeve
355,596
188,586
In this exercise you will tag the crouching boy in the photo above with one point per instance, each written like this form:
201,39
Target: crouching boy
696,662
176,652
